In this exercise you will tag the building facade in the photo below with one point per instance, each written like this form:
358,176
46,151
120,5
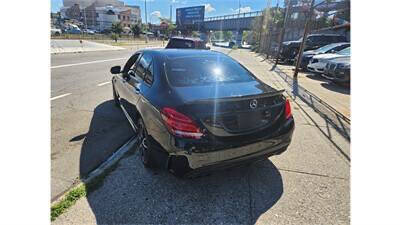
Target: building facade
73,12
135,14
125,18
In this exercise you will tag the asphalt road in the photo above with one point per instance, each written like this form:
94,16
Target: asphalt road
85,126
308,184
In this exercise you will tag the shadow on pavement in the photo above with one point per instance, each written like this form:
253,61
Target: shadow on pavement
132,194
108,131
334,87
315,76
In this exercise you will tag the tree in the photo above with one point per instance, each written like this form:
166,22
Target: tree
195,34
136,30
116,28
227,35
171,29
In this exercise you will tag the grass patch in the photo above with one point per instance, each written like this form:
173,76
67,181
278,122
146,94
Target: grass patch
68,201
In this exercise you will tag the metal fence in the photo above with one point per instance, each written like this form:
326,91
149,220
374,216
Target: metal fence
295,20
278,24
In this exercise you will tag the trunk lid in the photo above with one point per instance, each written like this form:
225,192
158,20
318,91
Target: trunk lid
232,109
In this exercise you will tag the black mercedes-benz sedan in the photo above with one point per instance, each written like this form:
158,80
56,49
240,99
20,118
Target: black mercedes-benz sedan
200,110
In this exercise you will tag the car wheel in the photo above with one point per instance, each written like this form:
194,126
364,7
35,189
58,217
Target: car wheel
116,100
144,147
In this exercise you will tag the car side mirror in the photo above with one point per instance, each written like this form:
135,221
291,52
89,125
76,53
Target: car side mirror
115,70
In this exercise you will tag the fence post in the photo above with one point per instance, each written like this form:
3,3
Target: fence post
299,56
282,35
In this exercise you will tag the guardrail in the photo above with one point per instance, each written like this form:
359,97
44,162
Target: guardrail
234,16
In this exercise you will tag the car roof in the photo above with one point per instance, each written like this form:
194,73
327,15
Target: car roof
171,53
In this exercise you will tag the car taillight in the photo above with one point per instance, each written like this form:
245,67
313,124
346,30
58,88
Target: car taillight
179,124
288,110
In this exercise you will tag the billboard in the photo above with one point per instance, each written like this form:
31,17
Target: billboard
189,15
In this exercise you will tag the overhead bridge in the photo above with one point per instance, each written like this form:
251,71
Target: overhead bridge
241,21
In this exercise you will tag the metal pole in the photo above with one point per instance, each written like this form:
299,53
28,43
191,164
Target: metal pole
283,30
145,9
269,38
299,56
237,27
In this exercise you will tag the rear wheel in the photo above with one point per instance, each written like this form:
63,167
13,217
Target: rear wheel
144,146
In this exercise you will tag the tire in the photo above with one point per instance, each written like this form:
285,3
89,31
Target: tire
145,148
117,103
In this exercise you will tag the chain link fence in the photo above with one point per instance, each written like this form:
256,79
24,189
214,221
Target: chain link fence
286,23
278,34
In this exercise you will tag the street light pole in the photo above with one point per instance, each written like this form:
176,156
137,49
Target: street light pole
283,30
145,10
299,56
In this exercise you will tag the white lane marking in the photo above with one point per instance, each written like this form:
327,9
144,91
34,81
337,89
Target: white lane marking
101,84
84,63
60,96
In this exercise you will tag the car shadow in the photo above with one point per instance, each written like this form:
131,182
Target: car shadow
336,88
132,194
108,131
315,76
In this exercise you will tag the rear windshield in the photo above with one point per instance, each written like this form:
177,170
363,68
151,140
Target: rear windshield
205,70
179,43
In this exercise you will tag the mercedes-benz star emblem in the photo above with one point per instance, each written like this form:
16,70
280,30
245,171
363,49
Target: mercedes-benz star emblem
253,104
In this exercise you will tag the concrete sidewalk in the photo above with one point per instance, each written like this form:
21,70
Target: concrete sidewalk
308,184
71,46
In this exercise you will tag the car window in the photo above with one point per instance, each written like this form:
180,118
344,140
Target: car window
340,47
180,43
149,73
205,70
141,67
130,64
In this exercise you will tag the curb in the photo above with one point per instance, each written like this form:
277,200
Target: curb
115,157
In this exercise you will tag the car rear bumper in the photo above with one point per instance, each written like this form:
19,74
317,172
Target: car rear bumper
233,156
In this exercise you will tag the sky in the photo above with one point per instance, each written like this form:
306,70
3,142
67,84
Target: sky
157,8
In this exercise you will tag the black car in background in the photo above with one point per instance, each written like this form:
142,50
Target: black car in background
200,110
338,71
182,42
331,48
291,48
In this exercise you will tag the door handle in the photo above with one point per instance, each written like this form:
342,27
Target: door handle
137,90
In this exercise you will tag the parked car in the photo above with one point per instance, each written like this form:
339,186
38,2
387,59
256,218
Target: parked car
73,31
317,63
88,31
331,48
197,110
181,42
338,70
55,31
290,48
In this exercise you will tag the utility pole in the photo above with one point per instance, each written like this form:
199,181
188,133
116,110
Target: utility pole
283,30
237,27
145,10
170,13
299,56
